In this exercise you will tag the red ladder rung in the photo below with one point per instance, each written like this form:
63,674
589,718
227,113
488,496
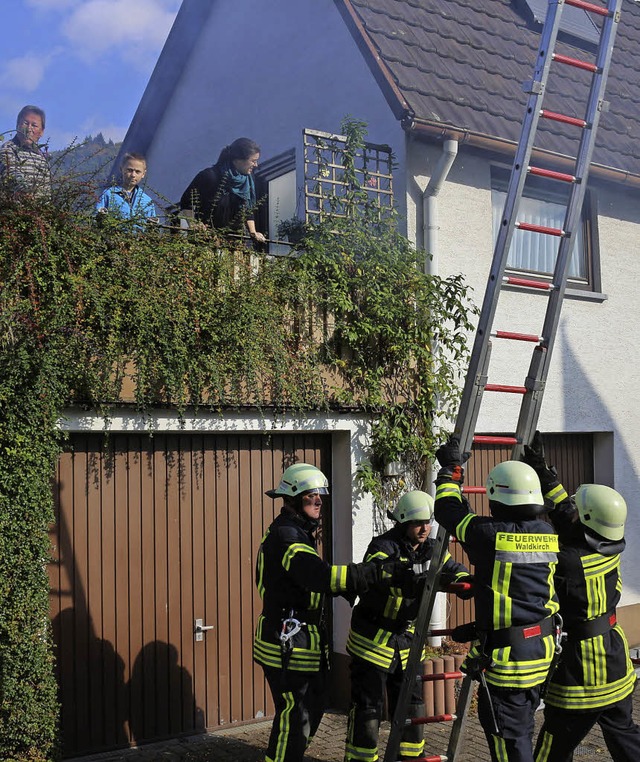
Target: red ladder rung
546,114
552,174
513,280
575,62
484,439
441,675
428,720
474,490
458,587
541,229
517,336
435,758
589,7
506,388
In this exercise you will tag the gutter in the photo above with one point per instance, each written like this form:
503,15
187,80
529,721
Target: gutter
441,131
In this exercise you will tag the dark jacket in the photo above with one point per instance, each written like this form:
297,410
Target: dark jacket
594,670
213,203
382,621
513,564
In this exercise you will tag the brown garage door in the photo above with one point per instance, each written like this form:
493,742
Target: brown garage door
152,534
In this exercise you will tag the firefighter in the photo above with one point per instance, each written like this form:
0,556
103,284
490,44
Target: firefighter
514,553
594,680
382,629
290,641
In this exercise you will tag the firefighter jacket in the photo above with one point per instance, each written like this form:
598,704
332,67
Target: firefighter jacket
382,621
292,580
595,669
514,592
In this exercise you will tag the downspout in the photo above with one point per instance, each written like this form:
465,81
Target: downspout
430,225
430,229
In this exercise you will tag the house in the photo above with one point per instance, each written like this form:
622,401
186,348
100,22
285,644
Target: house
440,83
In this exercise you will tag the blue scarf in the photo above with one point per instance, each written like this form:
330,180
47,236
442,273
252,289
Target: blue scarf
242,185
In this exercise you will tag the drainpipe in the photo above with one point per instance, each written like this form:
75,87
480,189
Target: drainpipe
430,229
430,225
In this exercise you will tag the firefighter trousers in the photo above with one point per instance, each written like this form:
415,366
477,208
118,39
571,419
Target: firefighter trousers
563,729
300,699
368,686
513,711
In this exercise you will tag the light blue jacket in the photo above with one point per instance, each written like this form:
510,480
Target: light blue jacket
115,200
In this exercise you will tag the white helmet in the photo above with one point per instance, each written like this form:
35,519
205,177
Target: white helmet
602,510
299,478
413,506
516,485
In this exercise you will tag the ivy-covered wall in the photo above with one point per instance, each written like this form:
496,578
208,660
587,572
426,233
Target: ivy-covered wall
349,320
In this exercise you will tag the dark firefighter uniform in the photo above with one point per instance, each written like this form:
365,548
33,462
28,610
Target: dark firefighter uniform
594,680
514,560
379,643
292,580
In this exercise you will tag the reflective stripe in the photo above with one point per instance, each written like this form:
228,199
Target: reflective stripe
296,547
461,529
339,575
284,726
557,494
526,548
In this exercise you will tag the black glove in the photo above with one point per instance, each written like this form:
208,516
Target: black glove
534,456
371,573
465,595
464,633
474,666
451,460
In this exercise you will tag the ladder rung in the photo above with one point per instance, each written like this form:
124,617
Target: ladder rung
428,720
575,62
434,758
589,7
506,388
552,175
546,114
541,229
440,675
517,336
474,490
513,280
484,439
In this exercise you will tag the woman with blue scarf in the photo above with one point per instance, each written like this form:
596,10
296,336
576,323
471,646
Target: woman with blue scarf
224,196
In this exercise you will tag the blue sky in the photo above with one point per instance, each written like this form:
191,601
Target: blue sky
85,62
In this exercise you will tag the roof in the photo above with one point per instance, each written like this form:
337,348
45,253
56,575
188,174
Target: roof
462,63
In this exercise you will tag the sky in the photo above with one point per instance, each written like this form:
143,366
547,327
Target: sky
85,62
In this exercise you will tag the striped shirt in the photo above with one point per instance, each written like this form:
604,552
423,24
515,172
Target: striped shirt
25,169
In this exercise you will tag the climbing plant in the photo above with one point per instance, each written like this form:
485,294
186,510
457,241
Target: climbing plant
350,321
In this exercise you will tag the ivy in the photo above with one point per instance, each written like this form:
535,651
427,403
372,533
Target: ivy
88,314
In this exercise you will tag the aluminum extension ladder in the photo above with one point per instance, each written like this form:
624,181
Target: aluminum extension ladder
607,17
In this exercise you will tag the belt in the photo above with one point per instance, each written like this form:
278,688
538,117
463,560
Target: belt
304,616
592,627
512,636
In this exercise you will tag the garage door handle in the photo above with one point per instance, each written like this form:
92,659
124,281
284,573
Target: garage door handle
201,628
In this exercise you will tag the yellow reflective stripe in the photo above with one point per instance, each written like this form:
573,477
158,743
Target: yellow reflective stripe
260,573
448,489
378,554
557,494
296,547
409,750
461,529
377,653
545,747
587,697
502,603
314,600
284,725
394,601
339,576
499,748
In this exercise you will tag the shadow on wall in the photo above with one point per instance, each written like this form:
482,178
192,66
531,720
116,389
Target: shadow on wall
100,709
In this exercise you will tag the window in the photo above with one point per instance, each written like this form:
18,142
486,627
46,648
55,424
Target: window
544,202
574,22
276,181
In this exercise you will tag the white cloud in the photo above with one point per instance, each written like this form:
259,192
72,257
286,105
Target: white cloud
56,5
136,30
26,73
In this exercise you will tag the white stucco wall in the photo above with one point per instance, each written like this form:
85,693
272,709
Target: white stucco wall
592,384
264,71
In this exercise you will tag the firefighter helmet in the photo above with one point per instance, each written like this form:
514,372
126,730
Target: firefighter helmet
514,484
299,478
602,510
413,506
